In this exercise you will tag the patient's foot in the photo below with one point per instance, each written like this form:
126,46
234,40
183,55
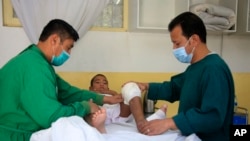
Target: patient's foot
98,120
159,114
164,108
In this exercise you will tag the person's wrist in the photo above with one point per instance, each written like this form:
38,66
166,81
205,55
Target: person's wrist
86,106
171,124
106,99
146,86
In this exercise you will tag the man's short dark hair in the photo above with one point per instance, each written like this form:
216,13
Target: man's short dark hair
191,24
60,27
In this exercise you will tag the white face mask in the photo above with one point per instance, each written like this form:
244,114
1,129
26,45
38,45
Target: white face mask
181,54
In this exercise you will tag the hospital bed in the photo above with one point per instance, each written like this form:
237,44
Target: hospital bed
76,129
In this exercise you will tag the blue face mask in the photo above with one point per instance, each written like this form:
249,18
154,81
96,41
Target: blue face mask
181,54
59,60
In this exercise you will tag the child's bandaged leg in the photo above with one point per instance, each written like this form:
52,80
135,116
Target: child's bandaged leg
129,91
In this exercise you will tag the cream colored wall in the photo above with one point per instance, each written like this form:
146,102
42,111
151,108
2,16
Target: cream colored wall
116,79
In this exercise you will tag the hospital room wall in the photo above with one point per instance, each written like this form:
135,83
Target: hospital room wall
127,56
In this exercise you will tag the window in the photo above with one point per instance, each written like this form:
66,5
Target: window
9,16
114,17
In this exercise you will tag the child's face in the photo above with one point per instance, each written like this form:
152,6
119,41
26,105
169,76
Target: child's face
100,83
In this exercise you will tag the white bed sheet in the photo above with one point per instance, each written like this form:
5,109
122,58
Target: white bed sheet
75,129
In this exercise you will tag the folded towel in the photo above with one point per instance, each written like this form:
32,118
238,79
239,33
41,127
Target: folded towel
214,17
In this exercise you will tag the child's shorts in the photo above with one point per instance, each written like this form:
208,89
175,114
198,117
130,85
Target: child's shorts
113,114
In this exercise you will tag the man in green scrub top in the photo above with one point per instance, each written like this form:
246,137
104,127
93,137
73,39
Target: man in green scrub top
205,90
33,95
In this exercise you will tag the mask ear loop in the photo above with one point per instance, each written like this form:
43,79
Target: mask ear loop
53,52
193,47
188,42
61,44
192,50
53,49
61,47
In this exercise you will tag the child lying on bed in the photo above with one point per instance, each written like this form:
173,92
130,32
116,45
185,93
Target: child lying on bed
121,112
117,112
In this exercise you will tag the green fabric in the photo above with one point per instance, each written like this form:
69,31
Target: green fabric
206,98
33,96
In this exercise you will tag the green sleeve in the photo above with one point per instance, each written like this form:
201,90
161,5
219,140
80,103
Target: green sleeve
68,94
40,99
168,90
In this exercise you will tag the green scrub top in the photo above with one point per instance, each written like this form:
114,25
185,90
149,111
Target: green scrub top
205,92
33,96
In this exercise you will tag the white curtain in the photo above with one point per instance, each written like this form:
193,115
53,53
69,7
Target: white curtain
35,14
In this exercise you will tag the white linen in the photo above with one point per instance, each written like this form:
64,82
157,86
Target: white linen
214,17
76,129
34,14
128,132
68,129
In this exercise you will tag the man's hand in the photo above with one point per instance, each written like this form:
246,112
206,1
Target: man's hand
113,99
103,91
157,126
143,86
93,107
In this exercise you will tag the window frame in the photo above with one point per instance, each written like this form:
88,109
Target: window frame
11,21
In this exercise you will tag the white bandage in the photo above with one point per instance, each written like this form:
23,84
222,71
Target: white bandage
129,91
157,115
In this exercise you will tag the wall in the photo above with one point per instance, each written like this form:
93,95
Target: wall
124,54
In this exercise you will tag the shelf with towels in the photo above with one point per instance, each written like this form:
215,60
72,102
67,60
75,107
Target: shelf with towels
217,15
155,15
